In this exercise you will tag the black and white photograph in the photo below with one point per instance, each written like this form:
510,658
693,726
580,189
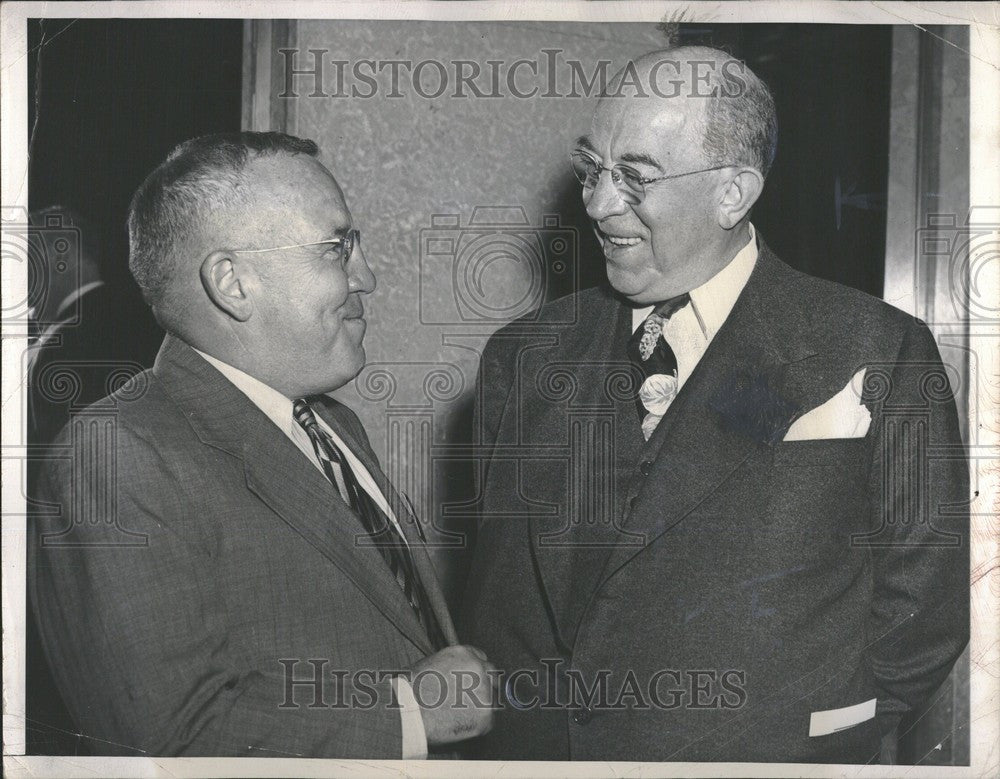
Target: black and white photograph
503,388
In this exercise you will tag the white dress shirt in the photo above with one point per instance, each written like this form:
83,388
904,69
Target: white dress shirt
278,409
691,329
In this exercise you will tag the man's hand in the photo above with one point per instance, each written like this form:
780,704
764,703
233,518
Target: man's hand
455,693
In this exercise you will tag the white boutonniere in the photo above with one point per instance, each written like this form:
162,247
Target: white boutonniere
656,394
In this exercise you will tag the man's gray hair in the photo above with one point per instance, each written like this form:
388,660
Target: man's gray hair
198,177
741,124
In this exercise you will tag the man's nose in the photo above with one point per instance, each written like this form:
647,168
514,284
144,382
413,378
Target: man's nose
605,200
360,277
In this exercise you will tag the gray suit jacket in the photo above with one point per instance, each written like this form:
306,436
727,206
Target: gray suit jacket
739,582
186,554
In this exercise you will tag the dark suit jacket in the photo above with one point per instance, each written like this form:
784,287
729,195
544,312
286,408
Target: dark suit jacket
102,341
192,549
722,584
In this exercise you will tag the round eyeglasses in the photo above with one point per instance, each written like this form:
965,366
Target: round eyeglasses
631,184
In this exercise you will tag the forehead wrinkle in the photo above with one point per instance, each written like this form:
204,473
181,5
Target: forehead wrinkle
647,130
667,128
615,119
302,201
343,221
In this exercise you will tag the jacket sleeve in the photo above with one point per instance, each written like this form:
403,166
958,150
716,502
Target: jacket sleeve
137,636
919,620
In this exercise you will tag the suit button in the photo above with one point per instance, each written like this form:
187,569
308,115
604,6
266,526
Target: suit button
632,502
582,716
645,467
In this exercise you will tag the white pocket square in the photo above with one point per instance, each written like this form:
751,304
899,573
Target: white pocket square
842,416
823,723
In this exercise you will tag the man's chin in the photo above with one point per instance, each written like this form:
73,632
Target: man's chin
628,285
641,289
348,366
360,358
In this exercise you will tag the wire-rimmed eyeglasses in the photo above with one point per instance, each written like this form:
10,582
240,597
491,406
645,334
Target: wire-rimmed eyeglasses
631,184
348,242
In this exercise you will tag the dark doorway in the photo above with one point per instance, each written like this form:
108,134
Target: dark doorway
108,98
823,208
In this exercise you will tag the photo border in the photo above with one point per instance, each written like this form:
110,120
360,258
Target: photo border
984,60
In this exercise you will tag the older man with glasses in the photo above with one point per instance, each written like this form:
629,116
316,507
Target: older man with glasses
228,571
712,528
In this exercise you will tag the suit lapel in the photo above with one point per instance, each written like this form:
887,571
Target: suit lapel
279,474
570,560
742,396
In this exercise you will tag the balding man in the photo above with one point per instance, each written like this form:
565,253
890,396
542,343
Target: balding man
712,527
226,570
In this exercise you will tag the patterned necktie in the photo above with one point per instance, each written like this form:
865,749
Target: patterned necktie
385,535
649,350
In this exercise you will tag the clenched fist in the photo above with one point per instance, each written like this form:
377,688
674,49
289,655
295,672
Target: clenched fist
456,692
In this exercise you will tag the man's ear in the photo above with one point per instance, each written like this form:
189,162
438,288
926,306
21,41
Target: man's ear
739,196
224,279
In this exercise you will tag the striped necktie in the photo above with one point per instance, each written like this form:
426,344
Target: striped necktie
385,535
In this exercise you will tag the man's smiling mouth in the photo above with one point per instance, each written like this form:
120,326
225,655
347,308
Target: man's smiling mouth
619,241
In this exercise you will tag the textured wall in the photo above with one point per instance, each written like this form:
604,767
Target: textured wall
404,160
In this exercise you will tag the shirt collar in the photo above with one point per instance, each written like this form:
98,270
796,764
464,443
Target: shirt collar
712,301
276,406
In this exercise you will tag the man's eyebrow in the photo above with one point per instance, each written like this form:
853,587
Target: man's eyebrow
640,158
636,158
337,232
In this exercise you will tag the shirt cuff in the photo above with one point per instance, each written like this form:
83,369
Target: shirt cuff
414,735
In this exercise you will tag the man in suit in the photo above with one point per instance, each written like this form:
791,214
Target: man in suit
219,565
724,512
